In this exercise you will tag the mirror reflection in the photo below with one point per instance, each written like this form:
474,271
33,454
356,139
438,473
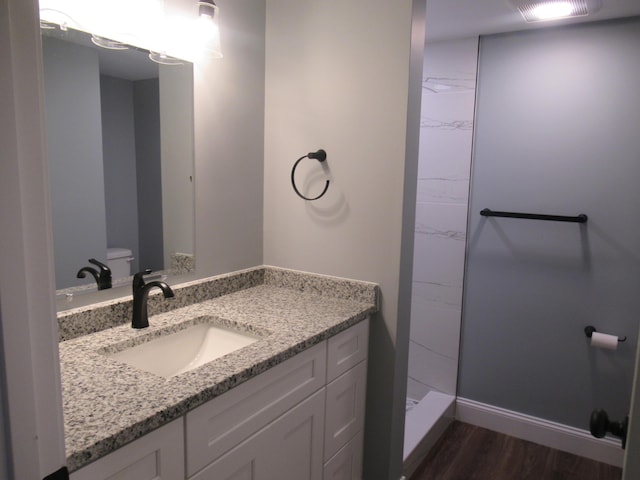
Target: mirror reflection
120,149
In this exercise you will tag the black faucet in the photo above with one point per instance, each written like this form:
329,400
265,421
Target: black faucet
102,277
140,296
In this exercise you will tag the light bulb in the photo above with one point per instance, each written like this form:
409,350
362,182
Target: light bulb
549,11
207,29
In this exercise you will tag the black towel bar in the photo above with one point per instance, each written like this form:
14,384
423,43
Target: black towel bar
581,218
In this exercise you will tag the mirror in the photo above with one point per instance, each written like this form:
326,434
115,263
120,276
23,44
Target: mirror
121,159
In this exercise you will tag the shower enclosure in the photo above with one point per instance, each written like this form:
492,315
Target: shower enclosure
446,131
555,133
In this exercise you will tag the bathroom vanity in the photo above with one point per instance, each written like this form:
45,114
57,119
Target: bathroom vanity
289,405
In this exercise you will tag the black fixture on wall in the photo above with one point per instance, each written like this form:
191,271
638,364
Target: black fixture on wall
581,218
600,425
319,155
590,330
102,275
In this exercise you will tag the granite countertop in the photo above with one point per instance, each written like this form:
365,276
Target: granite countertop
108,403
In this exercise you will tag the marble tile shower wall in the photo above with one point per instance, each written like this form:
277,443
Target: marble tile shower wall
446,134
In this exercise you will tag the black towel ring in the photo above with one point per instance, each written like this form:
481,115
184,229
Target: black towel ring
321,156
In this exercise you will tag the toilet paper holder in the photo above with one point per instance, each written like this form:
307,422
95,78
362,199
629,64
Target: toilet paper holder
589,330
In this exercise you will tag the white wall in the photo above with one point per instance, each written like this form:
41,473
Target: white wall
446,134
338,78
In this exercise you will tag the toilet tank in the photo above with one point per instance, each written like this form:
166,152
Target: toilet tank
119,261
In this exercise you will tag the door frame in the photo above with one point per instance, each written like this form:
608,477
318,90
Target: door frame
30,366
631,469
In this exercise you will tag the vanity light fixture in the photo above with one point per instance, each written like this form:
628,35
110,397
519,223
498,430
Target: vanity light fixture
208,28
51,18
108,43
544,10
44,25
164,59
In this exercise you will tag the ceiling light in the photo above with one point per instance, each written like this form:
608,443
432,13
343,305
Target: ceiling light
549,11
543,10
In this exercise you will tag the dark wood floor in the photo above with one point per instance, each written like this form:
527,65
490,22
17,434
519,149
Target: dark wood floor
466,452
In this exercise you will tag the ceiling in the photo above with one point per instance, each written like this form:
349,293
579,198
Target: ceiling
448,19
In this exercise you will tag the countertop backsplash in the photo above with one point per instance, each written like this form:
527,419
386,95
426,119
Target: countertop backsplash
94,318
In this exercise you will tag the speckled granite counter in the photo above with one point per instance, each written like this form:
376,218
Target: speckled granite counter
108,404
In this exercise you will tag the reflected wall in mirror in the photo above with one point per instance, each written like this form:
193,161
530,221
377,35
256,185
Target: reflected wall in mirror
121,158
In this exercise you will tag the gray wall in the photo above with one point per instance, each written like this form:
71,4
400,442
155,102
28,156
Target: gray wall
149,172
119,156
556,132
74,143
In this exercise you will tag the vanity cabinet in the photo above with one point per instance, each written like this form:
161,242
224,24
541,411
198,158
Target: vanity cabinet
317,438
303,419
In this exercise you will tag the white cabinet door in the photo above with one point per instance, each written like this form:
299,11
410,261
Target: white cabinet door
298,441
347,463
289,448
158,455
346,397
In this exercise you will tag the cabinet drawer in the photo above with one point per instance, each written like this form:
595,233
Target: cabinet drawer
158,455
289,448
347,349
345,408
347,463
217,426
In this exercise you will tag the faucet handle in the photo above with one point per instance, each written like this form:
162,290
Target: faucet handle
104,276
138,280
103,268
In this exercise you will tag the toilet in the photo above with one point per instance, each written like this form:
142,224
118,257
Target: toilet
119,261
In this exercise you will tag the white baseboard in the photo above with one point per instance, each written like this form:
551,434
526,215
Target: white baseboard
543,432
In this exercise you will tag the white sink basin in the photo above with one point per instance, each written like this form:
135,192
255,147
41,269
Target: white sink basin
179,352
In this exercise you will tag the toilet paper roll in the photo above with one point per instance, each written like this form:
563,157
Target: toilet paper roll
602,340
